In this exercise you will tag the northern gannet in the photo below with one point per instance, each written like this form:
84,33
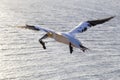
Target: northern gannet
68,37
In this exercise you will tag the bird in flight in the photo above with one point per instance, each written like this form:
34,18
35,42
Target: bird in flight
68,37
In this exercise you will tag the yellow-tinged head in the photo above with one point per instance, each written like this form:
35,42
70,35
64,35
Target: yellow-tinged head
50,34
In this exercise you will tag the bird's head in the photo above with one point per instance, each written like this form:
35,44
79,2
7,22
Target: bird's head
50,34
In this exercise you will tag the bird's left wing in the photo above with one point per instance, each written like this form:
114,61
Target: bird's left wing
36,28
83,26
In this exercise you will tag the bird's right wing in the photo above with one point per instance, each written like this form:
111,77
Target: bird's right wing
36,28
83,26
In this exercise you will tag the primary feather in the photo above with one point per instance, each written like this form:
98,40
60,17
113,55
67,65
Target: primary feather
37,28
83,26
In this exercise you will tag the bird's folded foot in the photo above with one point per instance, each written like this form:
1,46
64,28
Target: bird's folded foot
43,44
71,48
83,48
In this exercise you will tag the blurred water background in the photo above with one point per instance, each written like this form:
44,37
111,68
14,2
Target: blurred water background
22,57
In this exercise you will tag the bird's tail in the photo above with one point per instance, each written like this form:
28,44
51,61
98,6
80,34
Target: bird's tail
83,48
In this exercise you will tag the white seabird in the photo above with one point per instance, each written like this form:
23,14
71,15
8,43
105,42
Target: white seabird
68,37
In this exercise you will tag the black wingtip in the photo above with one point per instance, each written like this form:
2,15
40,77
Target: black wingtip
31,27
110,18
99,21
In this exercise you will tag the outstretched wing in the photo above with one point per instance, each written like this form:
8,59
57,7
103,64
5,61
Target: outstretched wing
83,26
36,28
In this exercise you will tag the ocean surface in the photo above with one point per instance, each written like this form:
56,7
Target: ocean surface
23,58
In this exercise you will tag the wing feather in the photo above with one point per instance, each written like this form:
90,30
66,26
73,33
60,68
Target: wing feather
83,26
36,28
